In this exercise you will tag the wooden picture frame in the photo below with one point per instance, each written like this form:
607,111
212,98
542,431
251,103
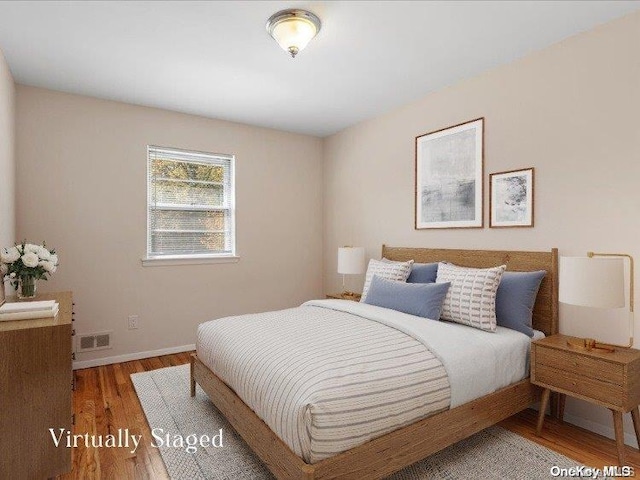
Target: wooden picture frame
511,198
449,171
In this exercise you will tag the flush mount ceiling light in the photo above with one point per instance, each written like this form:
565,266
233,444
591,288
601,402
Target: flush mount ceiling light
293,29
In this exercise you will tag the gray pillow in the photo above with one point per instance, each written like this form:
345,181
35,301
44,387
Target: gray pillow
420,299
423,273
515,299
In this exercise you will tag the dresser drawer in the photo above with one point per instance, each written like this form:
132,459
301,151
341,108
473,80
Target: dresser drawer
572,362
571,382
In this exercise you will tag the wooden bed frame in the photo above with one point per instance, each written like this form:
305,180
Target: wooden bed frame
389,453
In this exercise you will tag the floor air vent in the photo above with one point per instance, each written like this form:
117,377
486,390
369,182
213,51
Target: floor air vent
94,341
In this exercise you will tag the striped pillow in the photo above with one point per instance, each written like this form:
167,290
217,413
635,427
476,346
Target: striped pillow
397,271
471,299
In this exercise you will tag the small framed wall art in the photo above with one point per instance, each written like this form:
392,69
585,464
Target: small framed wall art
449,171
511,198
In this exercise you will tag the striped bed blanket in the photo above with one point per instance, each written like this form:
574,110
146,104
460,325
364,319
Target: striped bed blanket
323,379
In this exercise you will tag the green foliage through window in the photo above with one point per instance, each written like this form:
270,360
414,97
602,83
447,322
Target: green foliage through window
190,203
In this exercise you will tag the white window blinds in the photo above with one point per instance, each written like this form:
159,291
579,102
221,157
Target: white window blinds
190,203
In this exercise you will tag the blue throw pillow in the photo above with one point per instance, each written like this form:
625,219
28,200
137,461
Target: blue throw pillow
420,299
515,299
423,273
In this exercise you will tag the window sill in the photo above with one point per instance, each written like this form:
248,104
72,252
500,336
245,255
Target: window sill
187,260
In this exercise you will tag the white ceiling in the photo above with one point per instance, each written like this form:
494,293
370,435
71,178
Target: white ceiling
215,58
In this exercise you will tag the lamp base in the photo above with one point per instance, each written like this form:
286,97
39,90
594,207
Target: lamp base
590,345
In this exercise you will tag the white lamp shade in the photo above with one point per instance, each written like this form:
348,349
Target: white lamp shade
592,282
351,260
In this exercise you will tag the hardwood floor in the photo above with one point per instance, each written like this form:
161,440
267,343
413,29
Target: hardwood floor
574,442
105,401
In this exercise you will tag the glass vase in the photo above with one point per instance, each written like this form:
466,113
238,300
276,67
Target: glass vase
26,287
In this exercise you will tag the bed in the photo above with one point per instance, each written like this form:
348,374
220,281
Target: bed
409,441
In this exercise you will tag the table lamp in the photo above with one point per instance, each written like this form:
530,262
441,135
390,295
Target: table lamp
350,262
597,282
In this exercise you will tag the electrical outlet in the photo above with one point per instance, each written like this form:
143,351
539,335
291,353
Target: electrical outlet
133,322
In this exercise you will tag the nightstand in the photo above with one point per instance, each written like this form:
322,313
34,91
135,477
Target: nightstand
345,296
611,380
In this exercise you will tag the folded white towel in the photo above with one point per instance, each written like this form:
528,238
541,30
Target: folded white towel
27,306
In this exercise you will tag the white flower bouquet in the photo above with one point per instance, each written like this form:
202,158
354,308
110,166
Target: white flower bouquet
25,263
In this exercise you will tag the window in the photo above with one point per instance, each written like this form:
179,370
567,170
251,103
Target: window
190,202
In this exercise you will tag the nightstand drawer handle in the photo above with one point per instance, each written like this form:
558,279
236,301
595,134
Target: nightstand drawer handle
573,383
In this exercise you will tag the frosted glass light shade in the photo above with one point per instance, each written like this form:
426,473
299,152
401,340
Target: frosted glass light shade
592,282
351,260
293,29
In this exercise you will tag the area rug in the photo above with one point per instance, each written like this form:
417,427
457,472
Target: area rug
494,453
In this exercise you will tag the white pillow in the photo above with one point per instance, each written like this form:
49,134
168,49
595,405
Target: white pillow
387,269
471,299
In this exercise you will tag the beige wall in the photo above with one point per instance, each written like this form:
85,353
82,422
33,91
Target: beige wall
571,111
82,188
7,155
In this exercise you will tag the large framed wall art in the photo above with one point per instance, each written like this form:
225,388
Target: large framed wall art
449,173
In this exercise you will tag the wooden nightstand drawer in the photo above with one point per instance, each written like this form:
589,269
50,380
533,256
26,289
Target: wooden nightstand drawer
608,378
577,364
570,382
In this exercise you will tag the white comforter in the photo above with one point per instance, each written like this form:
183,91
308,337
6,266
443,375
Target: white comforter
477,362
333,374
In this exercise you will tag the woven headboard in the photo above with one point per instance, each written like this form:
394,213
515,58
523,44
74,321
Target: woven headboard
545,312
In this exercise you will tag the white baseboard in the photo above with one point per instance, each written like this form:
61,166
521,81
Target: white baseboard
596,427
77,365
